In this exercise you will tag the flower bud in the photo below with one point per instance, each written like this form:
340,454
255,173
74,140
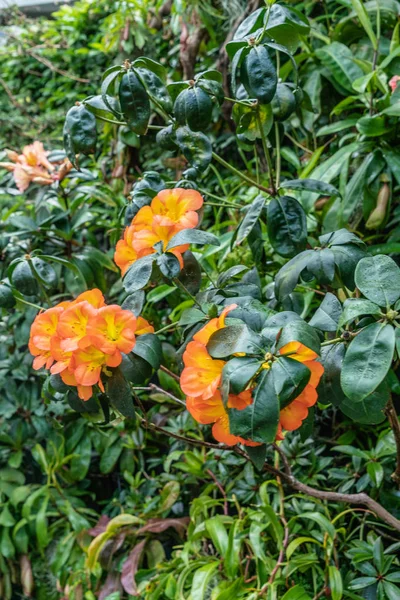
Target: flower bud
378,215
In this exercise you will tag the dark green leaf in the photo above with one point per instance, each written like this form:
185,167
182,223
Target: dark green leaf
290,379
326,318
311,185
233,339
193,107
192,236
353,308
257,455
169,265
258,74
367,361
138,274
251,217
120,395
300,331
135,103
288,277
148,347
80,133
369,411
239,371
287,225
195,146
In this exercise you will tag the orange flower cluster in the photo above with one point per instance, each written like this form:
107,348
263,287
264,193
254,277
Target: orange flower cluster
33,166
200,380
292,416
169,212
80,339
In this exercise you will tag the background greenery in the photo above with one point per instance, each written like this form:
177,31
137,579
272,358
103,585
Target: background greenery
198,523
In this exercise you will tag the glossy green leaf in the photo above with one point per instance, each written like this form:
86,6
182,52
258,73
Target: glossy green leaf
287,225
135,103
193,107
232,339
192,236
367,361
335,582
251,217
369,411
378,278
195,146
138,274
80,133
258,74
311,185
300,331
327,315
353,308
119,393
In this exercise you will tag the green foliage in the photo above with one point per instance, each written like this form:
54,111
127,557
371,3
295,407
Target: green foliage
292,141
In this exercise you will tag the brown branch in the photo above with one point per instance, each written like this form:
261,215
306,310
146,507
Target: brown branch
357,499
15,102
189,48
170,373
221,489
395,425
279,562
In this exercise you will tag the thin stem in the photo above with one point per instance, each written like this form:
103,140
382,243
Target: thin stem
170,373
278,156
266,153
152,387
180,285
334,341
221,489
30,304
167,328
395,425
240,174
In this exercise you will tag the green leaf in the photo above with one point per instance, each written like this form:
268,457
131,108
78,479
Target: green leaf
290,379
7,299
217,531
311,185
193,107
259,421
378,278
239,371
337,126
297,592
192,236
251,23
326,317
300,331
286,25
120,395
346,260
201,580
258,74
80,133
372,126
369,411
138,274
322,265
288,276
322,521
353,308
257,455
329,389
233,339
335,583
134,302
148,347
251,217
283,103
135,103
392,591
367,361
287,225
169,265
338,59
195,146
375,472
154,86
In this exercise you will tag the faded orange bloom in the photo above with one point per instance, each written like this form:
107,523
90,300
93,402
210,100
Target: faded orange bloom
393,82
203,336
112,329
30,166
202,374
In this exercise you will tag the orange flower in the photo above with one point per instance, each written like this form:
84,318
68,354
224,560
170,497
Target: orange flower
31,165
143,326
292,416
112,329
212,410
80,339
73,324
177,207
43,329
169,212
202,374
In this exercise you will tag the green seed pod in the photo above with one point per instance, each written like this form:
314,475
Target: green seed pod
283,103
193,107
378,215
80,133
258,74
7,299
135,103
24,280
165,138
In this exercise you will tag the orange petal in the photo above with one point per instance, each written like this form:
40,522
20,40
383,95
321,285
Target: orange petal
292,416
298,351
317,371
206,411
222,434
308,396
